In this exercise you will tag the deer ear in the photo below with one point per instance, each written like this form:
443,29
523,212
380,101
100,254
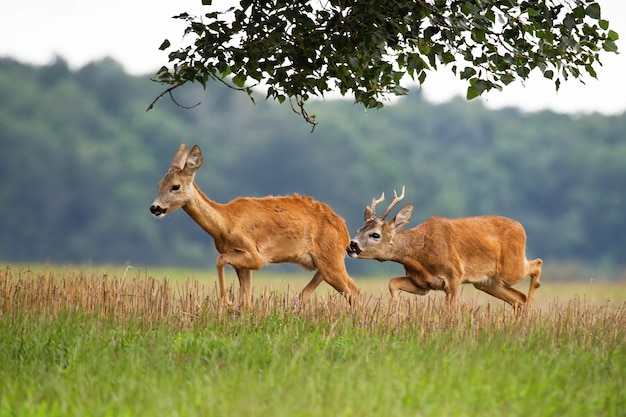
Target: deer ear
369,213
403,217
180,156
194,160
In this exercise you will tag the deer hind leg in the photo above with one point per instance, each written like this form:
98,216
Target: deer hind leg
495,287
305,294
534,270
245,287
452,289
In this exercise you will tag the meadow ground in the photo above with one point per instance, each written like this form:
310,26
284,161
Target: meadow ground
100,341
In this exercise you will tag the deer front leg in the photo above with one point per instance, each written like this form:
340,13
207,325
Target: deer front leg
240,260
405,284
222,285
415,282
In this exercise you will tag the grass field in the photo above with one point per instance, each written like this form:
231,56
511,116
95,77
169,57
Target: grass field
110,341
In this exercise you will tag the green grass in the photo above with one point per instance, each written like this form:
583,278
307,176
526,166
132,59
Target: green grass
81,343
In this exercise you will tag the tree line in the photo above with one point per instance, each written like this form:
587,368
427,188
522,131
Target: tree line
80,159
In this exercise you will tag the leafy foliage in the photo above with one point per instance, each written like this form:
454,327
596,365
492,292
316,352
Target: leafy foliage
300,49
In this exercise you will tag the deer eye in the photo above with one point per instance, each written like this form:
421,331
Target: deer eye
375,236
175,188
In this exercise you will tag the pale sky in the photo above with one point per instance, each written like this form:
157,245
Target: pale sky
130,31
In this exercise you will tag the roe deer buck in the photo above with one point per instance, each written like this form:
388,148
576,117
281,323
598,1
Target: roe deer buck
252,232
441,253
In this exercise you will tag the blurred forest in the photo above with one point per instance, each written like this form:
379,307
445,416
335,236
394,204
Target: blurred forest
80,159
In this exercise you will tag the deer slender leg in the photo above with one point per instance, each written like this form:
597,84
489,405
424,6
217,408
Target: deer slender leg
222,284
245,287
347,287
405,284
496,288
305,294
338,278
534,270
241,259
452,289
353,290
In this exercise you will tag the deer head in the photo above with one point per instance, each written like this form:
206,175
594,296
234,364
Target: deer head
176,187
375,239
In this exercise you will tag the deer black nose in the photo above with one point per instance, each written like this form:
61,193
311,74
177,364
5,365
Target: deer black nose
157,210
354,248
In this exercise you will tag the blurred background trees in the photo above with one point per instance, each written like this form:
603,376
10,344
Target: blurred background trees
80,159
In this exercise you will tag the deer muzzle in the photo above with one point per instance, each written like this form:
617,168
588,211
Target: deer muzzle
158,211
353,250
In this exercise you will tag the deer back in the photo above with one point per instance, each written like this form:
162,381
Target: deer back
280,225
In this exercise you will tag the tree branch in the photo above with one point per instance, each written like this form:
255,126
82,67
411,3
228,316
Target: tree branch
169,91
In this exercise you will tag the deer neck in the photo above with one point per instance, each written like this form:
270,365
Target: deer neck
405,243
205,212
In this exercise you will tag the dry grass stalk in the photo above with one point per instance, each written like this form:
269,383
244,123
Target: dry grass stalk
191,304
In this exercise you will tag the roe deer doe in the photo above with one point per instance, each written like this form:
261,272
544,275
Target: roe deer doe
252,232
441,253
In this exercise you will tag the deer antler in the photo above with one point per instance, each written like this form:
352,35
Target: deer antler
395,201
373,206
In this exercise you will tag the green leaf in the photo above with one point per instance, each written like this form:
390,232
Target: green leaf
226,72
591,71
472,92
164,45
579,12
207,2
422,77
593,11
523,72
569,21
609,46
467,73
239,80
491,16
507,78
353,61
476,88
447,57
400,91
